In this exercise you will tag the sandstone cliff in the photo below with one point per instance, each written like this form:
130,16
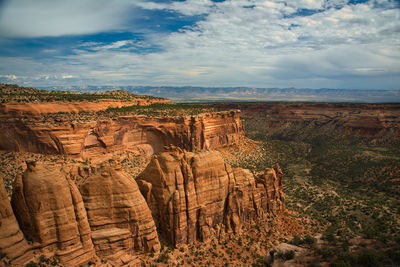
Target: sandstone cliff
12,242
51,213
183,197
118,215
94,137
75,107
352,118
194,196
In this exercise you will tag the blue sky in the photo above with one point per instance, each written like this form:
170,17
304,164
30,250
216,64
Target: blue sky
305,44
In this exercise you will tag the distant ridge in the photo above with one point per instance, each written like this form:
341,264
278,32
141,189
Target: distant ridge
199,94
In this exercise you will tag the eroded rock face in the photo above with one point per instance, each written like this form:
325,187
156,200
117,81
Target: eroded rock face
274,200
50,211
193,196
91,138
12,242
37,108
118,214
350,118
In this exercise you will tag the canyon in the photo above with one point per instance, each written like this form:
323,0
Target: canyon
349,118
94,136
153,182
78,214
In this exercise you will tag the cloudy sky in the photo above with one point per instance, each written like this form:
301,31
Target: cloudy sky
303,43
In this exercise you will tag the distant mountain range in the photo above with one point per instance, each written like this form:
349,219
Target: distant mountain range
200,94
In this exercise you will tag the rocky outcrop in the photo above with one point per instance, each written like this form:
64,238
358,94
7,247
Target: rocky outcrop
118,214
50,212
36,108
93,137
180,197
12,242
273,200
351,118
194,196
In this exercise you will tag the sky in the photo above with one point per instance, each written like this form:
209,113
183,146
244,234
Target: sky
349,44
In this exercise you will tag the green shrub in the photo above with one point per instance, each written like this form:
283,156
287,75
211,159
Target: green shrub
31,264
288,255
369,258
296,241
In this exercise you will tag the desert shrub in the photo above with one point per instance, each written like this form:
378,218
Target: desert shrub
330,237
163,258
31,264
288,255
309,240
44,259
296,241
342,263
369,258
346,259
325,252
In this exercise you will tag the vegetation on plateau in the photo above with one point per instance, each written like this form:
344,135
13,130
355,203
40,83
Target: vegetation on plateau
15,93
163,110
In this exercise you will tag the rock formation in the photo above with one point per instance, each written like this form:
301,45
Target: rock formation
93,137
273,200
352,118
118,214
188,196
12,242
75,107
193,196
50,211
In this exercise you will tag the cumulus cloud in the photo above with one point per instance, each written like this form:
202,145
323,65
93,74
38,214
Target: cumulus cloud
306,43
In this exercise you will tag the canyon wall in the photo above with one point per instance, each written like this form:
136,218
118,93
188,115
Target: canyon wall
183,197
37,108
51,214
351,118
12,241
91,137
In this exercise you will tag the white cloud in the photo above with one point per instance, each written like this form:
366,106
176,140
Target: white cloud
188,7
114,45
245,43
27,18
9,77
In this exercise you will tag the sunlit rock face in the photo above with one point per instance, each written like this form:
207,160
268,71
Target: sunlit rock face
116,208
51,214
12,242
92,138
194,196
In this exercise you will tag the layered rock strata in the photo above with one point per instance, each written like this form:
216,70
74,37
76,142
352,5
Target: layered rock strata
352,118
37,108
12,242
117,212
50,212
194,196
274,199
180,197
91,138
